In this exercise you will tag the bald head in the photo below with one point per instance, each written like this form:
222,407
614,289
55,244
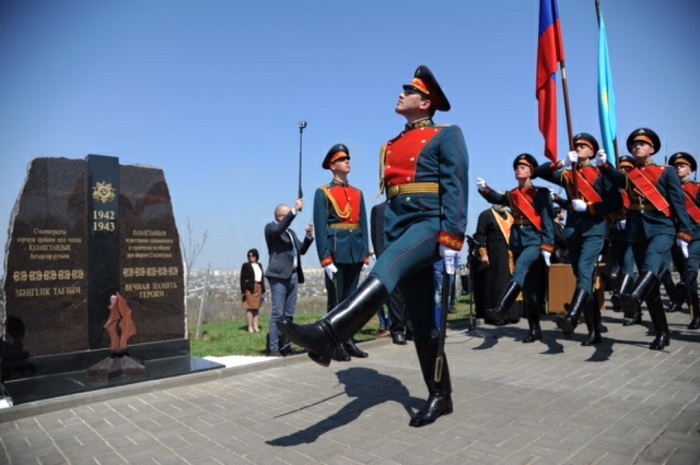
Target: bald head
281,211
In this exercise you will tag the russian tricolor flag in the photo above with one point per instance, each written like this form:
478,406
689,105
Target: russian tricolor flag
550,51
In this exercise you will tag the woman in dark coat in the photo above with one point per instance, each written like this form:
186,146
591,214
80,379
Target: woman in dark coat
252,289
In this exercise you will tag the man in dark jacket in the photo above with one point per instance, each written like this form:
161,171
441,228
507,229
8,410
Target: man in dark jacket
284,268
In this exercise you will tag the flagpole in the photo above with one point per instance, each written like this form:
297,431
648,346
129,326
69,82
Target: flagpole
565,87
617,151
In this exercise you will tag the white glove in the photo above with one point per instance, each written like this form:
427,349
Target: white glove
330,270
365,266
449,256
621,224
578,205
480,184
570,159
547,257
684,247
600,158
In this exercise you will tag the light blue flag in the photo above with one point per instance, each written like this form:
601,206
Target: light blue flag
606,97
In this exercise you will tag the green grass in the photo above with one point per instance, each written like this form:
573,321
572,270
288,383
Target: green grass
232,337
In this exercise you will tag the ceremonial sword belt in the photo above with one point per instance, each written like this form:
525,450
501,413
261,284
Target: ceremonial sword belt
414,188
643,208
344,226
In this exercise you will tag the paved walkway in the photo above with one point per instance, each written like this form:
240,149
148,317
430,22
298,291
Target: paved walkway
545,403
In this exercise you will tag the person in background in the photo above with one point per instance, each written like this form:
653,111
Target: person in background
495,261
252,289
424,174
657,218
622,273
284,271
400,328
531,241
342,237
685,164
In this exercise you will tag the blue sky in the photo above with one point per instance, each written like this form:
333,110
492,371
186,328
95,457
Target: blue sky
212,91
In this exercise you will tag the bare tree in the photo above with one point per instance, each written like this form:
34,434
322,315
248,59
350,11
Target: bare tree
191,250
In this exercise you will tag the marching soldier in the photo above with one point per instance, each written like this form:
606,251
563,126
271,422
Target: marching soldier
657,216
592,198
623,260
531,241
341,236
425,175
685,164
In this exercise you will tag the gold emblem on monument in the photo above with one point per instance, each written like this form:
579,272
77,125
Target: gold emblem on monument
104,192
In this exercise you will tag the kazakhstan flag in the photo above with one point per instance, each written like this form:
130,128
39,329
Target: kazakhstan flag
606,96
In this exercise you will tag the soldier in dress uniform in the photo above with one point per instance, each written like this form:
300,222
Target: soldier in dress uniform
342,236
592,199
685,164
621,253
656,218
531,241
424,176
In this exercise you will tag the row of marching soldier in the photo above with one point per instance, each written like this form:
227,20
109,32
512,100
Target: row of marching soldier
649,210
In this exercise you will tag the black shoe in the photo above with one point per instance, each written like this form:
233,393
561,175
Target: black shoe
436,406
353,350
274,353
398,338
591,340
566,325
535,335
694,323
341,355
662,340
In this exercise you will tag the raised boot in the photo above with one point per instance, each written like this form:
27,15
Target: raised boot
625,287
658,318
509,295
568,323
439,393
533,321
694,309
591,314
323,337
632,303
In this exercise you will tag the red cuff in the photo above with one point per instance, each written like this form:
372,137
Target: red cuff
448,240
326,261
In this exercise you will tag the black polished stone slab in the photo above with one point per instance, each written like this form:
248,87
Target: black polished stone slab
81,231
50,386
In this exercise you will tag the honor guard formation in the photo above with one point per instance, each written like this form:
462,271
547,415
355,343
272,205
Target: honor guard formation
624,223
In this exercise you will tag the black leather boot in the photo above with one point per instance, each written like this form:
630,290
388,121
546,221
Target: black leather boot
625,287
694,308
353,350
322,338
632,303
498,313
439,393
533,321
592,316
658,318
568,323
